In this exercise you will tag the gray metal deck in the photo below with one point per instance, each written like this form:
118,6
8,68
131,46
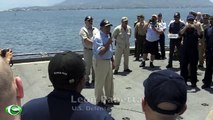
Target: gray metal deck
128,89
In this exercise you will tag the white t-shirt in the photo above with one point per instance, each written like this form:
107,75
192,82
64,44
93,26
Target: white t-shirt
152,35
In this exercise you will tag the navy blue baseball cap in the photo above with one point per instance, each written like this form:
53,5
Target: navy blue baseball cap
190,17
159,14
66,68
88,18
105,23
165,86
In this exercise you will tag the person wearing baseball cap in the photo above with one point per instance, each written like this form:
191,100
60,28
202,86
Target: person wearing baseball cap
165,95
209,55
122,34
86,33
151,43
140,37
103,64
105,23
177,15
202,20
161,41
191,34
67,74
175,42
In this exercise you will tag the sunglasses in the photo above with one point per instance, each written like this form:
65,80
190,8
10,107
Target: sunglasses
191,20
126,22
90,20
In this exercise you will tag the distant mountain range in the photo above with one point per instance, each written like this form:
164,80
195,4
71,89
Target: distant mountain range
119,4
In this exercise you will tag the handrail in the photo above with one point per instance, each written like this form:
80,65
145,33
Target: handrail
33,57
44,56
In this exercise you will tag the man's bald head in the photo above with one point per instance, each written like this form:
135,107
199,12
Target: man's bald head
11,90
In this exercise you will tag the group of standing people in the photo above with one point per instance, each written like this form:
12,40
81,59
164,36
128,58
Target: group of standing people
187,38
191,40
68,73
194,41
98,55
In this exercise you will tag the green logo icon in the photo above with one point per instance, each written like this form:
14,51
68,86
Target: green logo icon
13,110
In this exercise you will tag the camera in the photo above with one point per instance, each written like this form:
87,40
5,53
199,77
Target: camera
4,51
153,22
3,55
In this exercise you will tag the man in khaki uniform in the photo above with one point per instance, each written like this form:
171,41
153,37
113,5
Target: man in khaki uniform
140,36
121,34
86,33
201,42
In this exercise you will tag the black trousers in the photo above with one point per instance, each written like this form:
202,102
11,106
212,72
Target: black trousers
162,45
135,52
209,67
189,57
172,44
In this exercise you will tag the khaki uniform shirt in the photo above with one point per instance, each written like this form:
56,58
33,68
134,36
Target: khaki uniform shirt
87,33
122,36
139,29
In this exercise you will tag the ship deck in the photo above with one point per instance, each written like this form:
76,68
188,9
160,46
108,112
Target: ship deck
128,89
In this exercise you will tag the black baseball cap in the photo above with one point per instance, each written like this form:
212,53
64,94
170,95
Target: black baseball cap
88,18
177,14
165,86
105,23
66,68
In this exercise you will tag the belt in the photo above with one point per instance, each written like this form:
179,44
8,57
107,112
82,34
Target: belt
141,35
87,48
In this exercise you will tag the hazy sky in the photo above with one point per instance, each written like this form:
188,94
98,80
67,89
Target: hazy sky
8,4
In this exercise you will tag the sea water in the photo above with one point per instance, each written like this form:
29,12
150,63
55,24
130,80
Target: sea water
58,30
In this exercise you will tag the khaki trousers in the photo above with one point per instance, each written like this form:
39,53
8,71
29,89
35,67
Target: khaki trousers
201,50
119,51
103,79
88,60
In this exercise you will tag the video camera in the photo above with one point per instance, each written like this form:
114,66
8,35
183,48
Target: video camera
153,22
4,51
3,55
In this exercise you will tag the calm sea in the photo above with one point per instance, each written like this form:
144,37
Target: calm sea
52,31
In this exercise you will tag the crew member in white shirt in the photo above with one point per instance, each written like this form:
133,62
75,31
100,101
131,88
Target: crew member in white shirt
151,42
